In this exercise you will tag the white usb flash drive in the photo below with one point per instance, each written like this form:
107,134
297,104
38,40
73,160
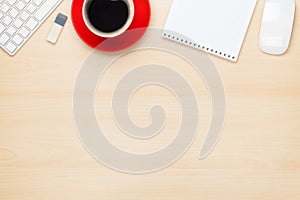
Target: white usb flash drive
57,28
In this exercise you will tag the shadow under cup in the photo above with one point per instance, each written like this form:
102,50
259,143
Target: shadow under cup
108,18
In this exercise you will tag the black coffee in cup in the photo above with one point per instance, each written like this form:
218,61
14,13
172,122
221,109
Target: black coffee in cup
108,15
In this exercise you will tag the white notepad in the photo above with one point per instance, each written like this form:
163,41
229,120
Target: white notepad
215,26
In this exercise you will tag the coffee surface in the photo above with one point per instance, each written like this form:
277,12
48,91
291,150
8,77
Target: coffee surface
108,15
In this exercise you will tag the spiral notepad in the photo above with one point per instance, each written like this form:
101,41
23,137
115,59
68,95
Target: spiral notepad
215,26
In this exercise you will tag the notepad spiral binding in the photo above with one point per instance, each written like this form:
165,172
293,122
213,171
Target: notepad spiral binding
171,35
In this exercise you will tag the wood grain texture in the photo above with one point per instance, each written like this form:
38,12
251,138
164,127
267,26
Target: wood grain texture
258,156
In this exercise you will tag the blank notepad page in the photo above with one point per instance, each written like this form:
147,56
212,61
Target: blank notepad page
215,26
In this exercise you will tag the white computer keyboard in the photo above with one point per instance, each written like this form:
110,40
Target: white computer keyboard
19,19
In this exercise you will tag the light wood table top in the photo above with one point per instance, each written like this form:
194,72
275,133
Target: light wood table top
41,156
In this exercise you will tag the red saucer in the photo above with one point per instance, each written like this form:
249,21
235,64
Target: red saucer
140,21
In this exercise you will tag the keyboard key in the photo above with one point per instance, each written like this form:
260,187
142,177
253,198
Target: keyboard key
11,2
11,47
20,5
31,24
17,40
4,8
24,16
24,32
31,8
18,23
7,20
2,28
38,2
3,39
43,11
13,13
11,30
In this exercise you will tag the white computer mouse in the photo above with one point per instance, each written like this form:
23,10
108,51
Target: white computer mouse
277,26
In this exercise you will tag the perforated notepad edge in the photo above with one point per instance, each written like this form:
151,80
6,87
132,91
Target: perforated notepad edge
179,38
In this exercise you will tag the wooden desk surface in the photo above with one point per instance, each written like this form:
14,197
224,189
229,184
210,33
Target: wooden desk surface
258,156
